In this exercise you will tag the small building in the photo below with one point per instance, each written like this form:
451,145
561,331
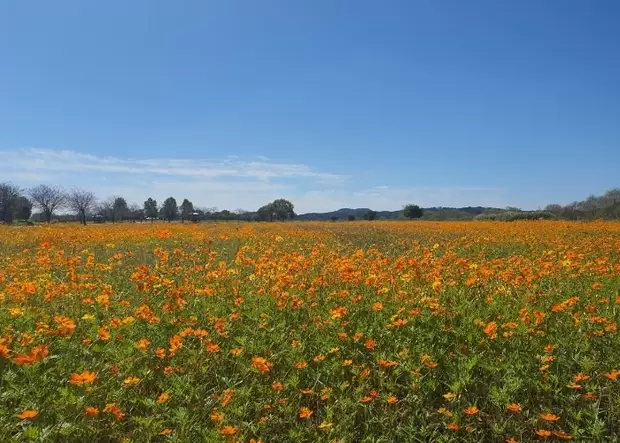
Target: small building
98,219
195,217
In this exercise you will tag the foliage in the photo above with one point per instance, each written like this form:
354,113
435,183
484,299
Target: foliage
170,210
150,208
187,209
355,332
12,203
370,215
516,215
413,211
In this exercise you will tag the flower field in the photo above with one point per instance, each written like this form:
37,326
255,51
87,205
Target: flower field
294,332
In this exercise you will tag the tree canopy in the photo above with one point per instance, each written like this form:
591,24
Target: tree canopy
413,211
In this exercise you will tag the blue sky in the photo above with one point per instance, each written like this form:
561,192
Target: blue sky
329,103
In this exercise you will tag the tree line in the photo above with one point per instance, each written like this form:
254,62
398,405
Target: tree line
56,203
53,202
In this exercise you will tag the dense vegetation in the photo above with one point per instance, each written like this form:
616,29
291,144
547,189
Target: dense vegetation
337,332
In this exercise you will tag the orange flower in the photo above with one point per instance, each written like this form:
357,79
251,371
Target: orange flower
28,414
454,427
514,407
543,433
370,344
563,435
103,333
85,378
163,398
277,386
301,364
392,400
160,352
590,396
143,344
547,416
213,347
166,431
228,430
216,416
472,410
237,351
91,412
305,413
614,374
491,330
261,364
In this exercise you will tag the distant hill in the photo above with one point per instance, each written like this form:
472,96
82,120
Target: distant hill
434,213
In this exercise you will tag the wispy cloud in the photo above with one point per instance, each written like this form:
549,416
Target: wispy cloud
46,160
229,182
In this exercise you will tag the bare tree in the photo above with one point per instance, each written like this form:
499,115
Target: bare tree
9,194
48,199
135,212
82,202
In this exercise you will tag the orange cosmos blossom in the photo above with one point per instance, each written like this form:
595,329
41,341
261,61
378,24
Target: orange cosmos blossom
547,416
543,433
213,347
454,427
91,412
472,410
216,416
166,431
563,435
305,413
28,414
85,378
514,407
163,398
613,374
143,344
228,430
261,364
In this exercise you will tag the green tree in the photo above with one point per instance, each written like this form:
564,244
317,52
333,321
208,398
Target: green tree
283,209
150,208
9,194
120,208
23,208
413,211
370,215
187,209
170,209
266,213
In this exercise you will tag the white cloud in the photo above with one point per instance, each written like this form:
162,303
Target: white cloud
46,160
226,183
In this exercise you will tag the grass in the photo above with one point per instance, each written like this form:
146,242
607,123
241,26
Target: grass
351,332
